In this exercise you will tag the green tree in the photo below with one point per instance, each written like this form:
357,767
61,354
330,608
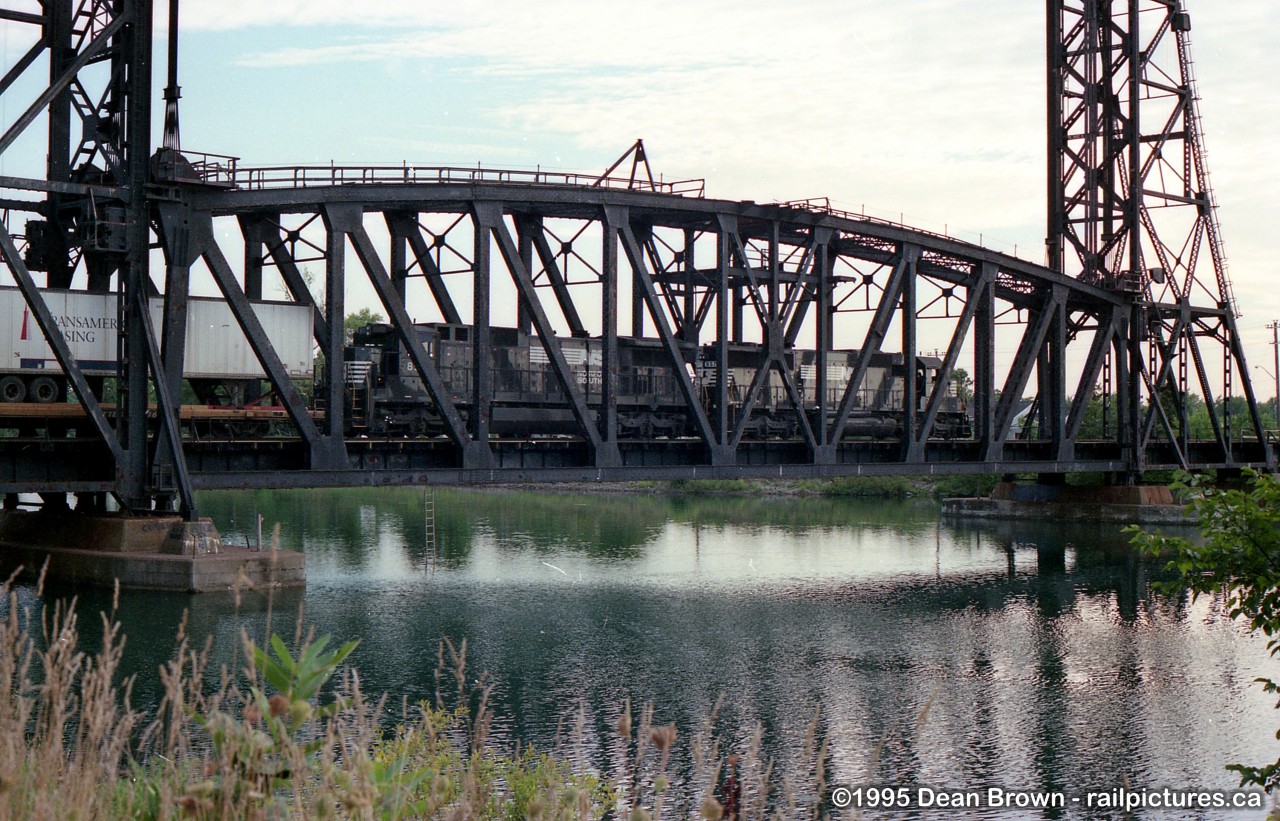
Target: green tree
964,385
1238,555
359,319
1093,423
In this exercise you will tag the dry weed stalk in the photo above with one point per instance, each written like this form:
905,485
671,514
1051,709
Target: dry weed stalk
65,727
268,742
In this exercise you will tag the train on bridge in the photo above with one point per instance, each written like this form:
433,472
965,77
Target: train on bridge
386,397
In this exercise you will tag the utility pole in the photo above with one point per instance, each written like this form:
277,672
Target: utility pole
1275,349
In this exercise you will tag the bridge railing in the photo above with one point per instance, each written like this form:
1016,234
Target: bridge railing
313,176
822,205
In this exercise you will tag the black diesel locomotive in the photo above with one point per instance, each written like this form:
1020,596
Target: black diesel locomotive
386,397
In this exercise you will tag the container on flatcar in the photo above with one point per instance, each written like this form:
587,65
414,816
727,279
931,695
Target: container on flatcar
216,347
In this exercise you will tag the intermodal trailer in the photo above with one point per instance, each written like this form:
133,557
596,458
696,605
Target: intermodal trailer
217,351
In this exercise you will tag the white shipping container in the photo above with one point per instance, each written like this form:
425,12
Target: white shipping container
216,346
88,323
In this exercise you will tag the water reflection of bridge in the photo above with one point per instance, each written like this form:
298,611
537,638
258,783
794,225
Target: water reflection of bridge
1071,662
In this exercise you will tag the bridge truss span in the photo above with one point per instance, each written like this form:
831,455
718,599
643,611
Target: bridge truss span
553,326
720,296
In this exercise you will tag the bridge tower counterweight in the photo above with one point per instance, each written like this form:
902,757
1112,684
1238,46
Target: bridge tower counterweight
1131,210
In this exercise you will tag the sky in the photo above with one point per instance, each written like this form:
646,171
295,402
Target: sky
932,110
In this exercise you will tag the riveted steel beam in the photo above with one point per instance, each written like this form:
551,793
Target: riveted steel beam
723,432
977,292
903,270
489,220
53,334
455,427
1109,326
910,385
984,355
1166,350
481,336
325,453
59,85
167,415
609,364
1033,339
340,221
1219,434
405,225
619,219
277,248
180,254
532,227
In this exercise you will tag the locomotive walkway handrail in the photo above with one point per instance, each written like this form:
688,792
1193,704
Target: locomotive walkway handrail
231,174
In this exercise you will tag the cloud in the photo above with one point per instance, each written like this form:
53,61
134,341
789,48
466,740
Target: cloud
930,107
229,15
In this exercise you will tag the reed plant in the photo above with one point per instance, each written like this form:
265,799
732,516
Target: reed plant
290,734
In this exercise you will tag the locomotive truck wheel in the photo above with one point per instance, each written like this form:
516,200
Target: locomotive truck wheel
43,390
12,389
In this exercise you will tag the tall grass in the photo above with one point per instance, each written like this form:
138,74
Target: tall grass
67,729
862,487
291,735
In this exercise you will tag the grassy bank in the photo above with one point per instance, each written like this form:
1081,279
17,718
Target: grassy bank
868,487
871,487
290,734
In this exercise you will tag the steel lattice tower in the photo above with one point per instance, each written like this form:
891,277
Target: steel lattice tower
1131,210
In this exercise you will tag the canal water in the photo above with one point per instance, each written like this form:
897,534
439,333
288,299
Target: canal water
941,654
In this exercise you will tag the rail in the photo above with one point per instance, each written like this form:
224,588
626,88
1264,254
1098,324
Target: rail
227,172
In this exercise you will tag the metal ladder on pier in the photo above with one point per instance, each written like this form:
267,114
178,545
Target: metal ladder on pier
429,528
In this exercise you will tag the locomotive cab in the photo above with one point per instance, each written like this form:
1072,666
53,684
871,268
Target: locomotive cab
384,393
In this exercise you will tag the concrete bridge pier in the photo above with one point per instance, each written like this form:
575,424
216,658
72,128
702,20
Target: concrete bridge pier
1052,498
95,544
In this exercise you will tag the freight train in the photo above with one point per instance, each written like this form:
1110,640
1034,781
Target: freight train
386,396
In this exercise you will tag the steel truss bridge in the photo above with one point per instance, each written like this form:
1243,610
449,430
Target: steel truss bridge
1114,341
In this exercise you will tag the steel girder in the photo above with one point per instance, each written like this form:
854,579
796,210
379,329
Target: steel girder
95,214
707,273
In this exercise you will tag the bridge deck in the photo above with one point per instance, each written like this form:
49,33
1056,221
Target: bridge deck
38,464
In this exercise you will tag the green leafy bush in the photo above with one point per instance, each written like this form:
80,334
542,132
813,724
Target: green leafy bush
965,485
1238,554
877,487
